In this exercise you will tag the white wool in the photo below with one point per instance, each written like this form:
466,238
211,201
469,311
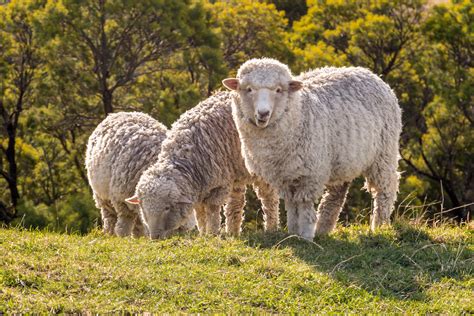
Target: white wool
118,151
343,123
201,167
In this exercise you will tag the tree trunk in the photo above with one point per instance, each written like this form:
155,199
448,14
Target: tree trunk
107,101
12,178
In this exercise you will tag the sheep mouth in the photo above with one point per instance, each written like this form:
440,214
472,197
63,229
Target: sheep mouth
262,123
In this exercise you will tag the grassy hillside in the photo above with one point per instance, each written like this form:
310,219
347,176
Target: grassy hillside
401,269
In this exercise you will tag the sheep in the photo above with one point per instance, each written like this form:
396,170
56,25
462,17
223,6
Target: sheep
201,166
318,131
118,151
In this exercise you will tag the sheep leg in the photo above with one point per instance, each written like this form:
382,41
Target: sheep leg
270,204
382,183
301,218
291,217
201,217
139,230
306,219
108,214
330,207
125,220
213,223
233,210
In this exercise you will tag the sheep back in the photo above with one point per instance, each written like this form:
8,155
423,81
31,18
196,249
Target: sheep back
121,147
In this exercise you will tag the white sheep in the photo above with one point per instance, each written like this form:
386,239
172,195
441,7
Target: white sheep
118,151
201,166
318,131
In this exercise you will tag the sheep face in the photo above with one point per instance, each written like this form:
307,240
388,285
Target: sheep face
163,210
263,102
163,221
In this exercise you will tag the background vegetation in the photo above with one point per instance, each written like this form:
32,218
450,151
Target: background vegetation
66,64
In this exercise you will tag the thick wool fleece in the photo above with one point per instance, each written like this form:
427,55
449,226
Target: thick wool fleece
119,150
201,165
343,123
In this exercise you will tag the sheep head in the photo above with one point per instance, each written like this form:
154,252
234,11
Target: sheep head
265,87
163,208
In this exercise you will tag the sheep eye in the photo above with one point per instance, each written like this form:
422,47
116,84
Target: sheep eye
278,90
249,89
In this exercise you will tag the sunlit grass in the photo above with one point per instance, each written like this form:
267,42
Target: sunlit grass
399,269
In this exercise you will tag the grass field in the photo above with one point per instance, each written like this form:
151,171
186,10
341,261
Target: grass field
400,269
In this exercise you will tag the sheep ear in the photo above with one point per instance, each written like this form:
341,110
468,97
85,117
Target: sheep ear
133,200
231,83
295,85
185,200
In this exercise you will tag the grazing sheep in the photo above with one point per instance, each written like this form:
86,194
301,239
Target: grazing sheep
119,150
201,167
318,131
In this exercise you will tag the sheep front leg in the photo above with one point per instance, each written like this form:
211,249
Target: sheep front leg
301,218
291,217
233,210
213,224
306,219
270,204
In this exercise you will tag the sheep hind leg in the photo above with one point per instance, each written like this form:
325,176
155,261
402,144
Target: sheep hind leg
213,224
382,183
330,207
125,219
233,210
270,204
201,218
108,214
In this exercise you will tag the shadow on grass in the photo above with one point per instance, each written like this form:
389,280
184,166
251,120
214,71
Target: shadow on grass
400,263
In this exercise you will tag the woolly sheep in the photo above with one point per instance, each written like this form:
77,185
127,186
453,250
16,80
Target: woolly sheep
121,147
201,167
318,131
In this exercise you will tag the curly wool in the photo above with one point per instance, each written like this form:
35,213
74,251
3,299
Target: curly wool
201,163
118,151
343,123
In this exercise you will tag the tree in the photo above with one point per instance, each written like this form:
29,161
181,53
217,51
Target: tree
101,52
369,34
249,29
294,10
443,150
19,69
114,42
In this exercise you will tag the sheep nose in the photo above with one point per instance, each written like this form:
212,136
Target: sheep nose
263,114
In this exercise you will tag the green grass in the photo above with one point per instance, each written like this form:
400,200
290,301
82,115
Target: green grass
399,269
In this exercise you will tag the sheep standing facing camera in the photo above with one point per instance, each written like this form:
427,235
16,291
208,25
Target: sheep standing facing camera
318,131
201,166
121,147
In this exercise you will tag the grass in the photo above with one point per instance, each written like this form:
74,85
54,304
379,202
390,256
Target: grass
402,269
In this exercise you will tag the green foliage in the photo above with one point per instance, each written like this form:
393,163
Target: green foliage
443,150
294,9
249,29
404,269
69,62
74,213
